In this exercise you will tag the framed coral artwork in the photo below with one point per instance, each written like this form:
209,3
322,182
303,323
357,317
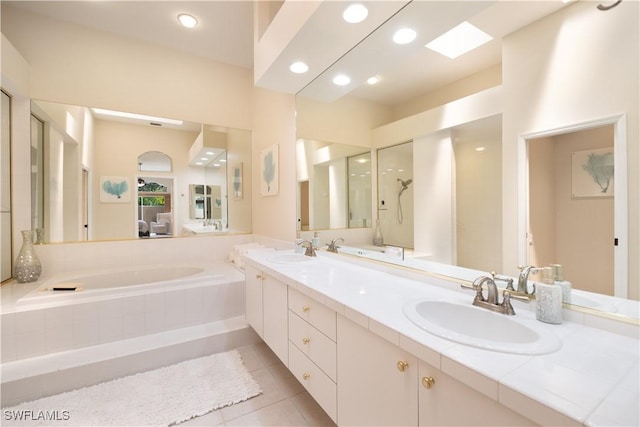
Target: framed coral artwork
114,189
269,171
592,173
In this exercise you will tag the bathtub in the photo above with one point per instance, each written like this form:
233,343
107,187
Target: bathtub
111,305
70,288
118,322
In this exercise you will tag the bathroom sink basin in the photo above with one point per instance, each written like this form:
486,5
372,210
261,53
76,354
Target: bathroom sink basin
481,328
290,258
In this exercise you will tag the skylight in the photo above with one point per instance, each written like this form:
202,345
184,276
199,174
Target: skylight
459,40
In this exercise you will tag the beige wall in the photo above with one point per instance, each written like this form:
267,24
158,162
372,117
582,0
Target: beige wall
576,65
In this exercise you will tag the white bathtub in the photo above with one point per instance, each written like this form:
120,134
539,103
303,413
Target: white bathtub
71,288
109,306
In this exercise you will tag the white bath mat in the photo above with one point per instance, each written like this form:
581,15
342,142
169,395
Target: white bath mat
159,397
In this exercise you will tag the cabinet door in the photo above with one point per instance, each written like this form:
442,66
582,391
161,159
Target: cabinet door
446,401
276,317
253,298
377,381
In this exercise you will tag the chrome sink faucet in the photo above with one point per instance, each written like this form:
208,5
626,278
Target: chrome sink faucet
492,301
524,277
332,246
309,249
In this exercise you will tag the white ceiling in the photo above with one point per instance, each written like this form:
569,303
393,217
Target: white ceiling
225,34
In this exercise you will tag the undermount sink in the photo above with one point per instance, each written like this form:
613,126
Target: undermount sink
478,327
290,258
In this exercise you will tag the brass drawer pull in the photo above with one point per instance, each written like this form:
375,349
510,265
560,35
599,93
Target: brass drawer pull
402,365
306,308
428,382
306,340
306,376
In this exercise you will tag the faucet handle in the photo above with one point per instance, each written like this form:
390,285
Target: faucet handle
508,280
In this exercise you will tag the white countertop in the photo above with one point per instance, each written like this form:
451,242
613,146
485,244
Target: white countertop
594,379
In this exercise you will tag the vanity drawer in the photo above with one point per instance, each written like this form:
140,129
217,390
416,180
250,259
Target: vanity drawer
316,382
314,344
323,318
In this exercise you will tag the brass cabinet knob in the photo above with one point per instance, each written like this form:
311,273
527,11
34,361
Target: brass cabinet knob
428,382
402,365
306,376
306,340
306,308
259,276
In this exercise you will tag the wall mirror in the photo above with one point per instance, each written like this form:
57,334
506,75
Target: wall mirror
99,169
457,181
576,209
334,185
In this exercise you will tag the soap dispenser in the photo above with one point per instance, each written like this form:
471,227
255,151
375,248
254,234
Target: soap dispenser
559,281
315,242
548,299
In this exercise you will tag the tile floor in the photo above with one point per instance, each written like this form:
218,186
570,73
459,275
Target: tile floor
283,402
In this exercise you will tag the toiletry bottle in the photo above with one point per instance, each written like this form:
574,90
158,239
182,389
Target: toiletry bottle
316,239
298,248
548,299
564,285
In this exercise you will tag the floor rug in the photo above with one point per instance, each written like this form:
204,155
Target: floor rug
160,397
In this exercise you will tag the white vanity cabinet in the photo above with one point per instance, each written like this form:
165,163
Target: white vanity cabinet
266,310
377,380
253,298
443,400
312,349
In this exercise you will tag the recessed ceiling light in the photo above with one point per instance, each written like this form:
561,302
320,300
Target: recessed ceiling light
341,80
404,36
188,21
204,158
209,153
480,148
199,163
458,40
373,80
223,160
299,67
355,13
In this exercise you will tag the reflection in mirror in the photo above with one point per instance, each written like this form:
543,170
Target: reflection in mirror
6,260
359,184
154,161
571,206
83,146
450,182
334,185
155,206
395,194
205,202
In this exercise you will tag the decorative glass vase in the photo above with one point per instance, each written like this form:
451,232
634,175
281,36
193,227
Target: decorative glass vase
377,234
27,268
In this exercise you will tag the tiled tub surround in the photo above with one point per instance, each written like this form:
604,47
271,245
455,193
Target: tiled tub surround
66,320
594,379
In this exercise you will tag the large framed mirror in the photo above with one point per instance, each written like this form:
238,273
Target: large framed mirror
465,146
110,175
